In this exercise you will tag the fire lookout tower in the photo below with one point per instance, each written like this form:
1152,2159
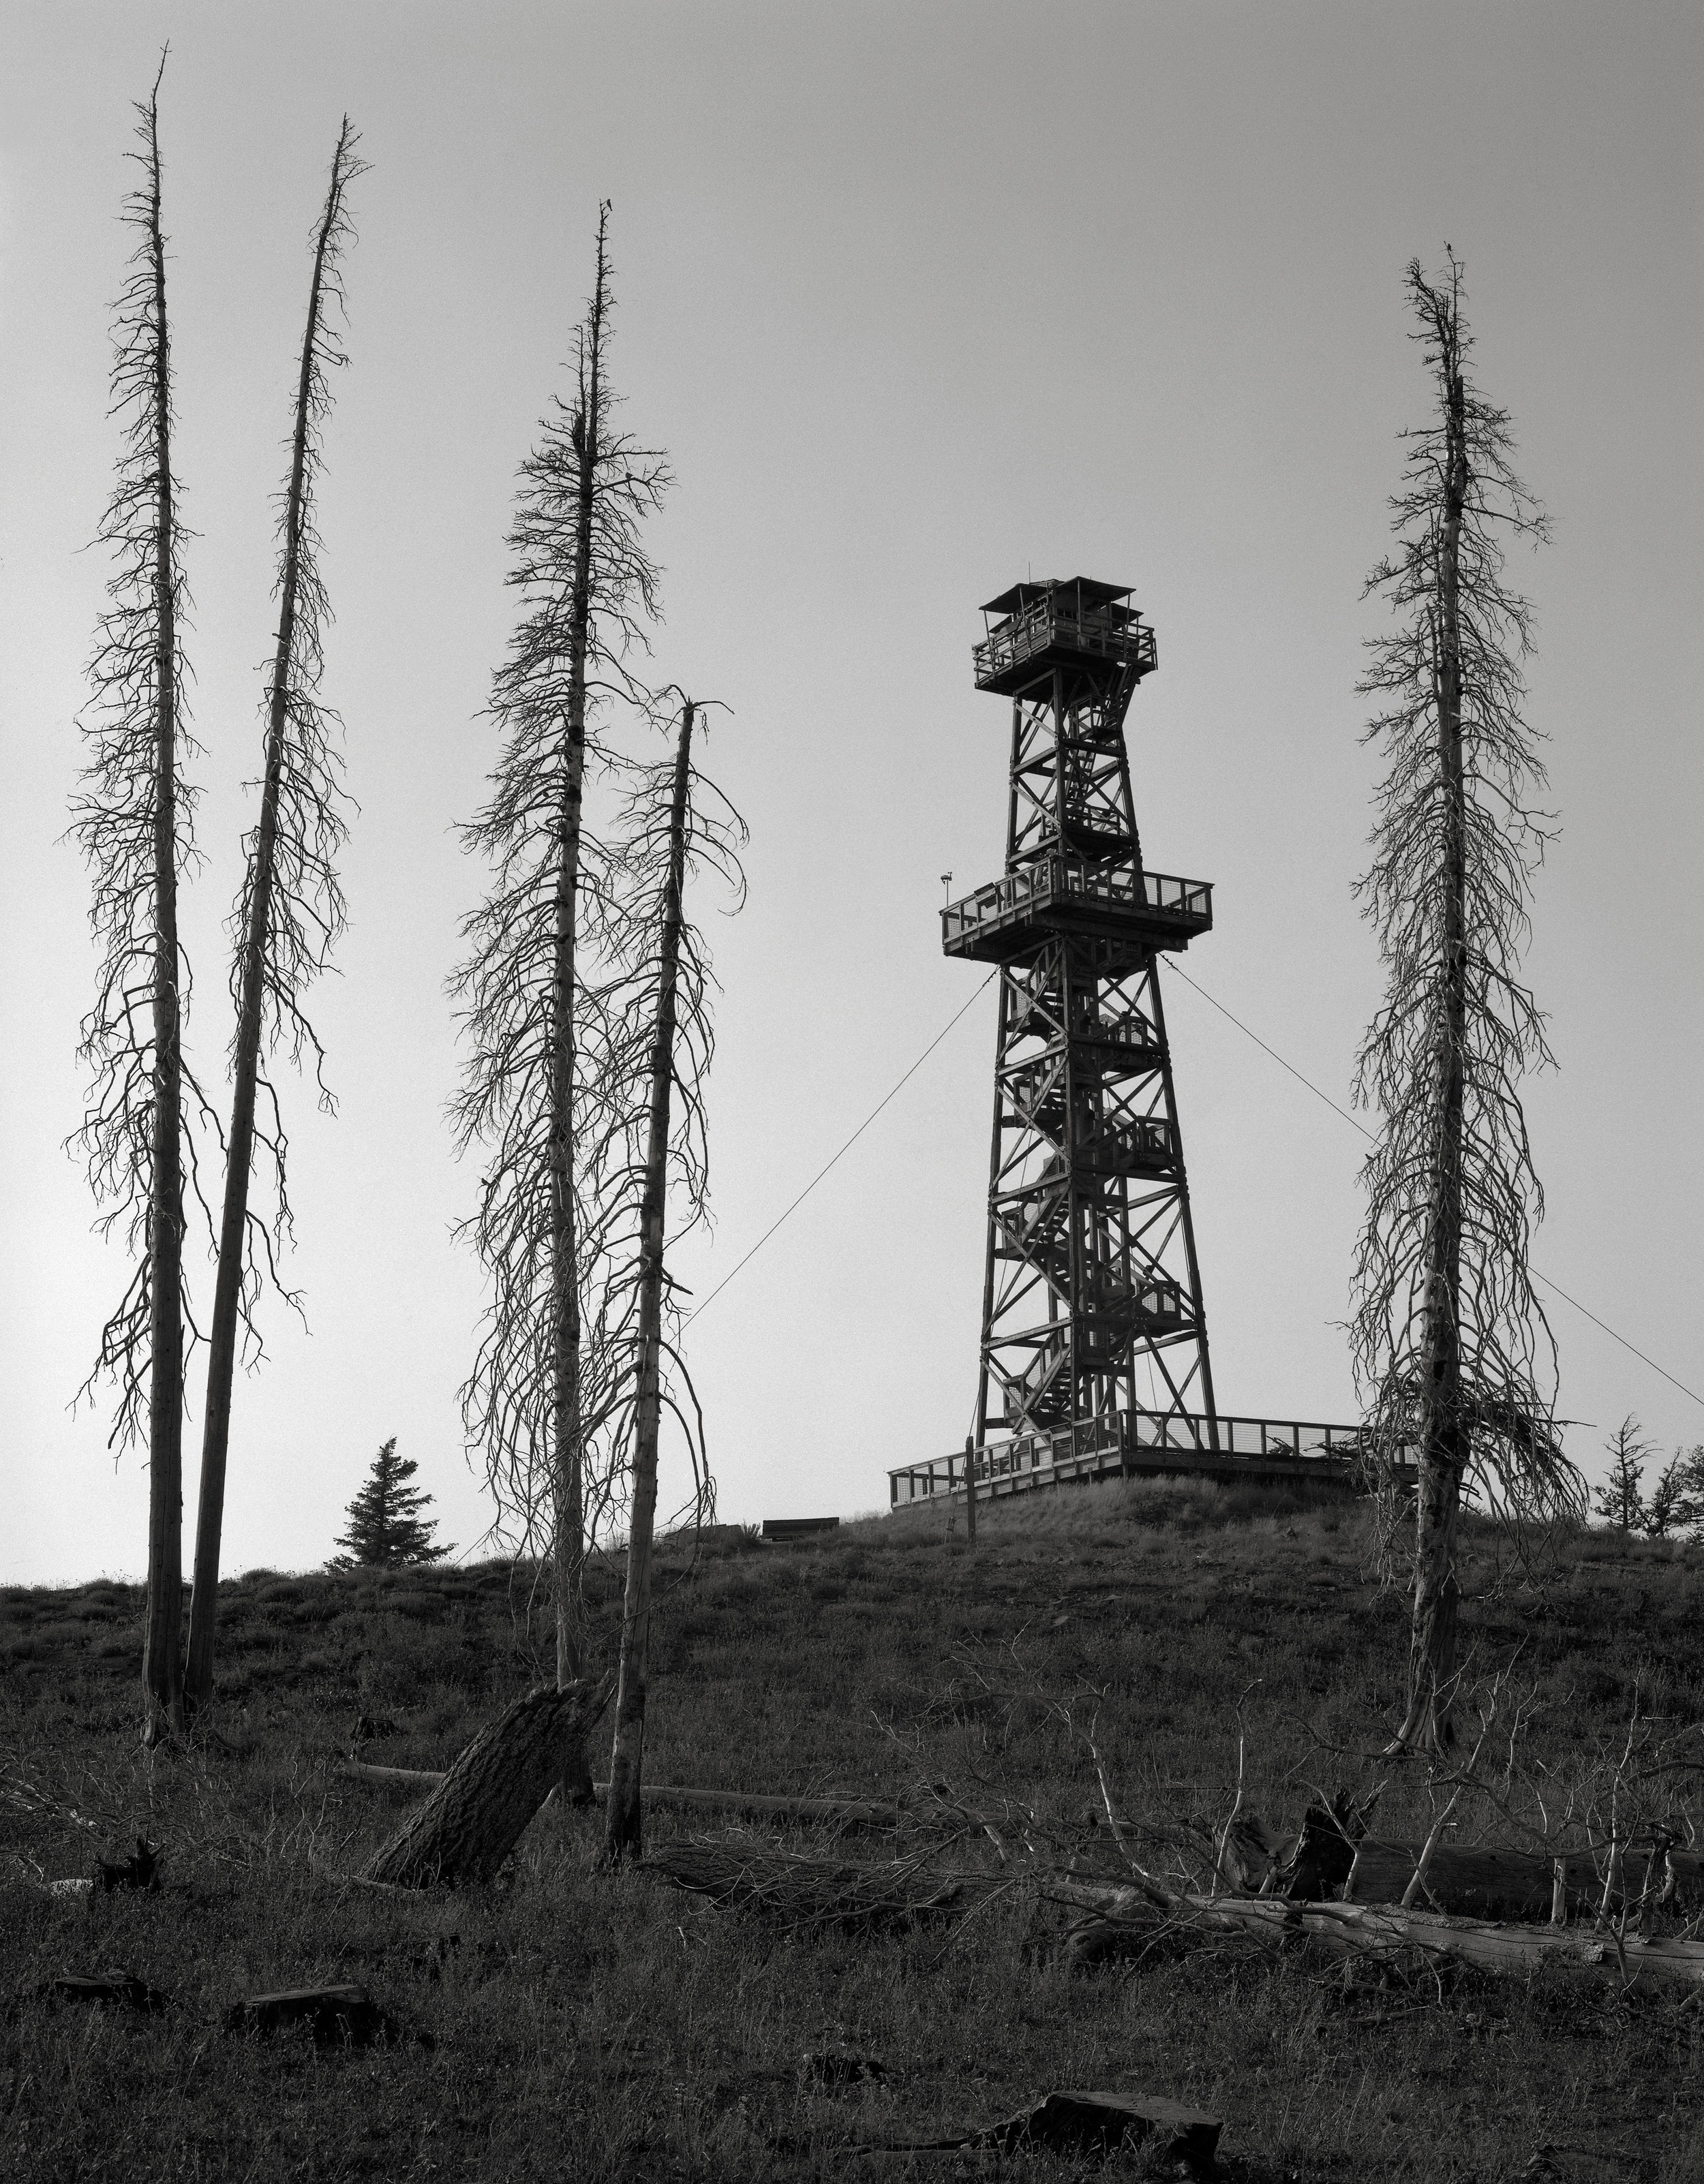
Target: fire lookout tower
1094,1356
1092,1298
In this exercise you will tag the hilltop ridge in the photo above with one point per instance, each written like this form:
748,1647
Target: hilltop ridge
661,2038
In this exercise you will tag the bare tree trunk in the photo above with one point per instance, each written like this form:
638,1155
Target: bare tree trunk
1443,1451
239,1159
232,1230
569,1545
162,1671
623,1820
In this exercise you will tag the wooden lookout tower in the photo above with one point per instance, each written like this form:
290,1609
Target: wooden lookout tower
1091,1299
1094,1352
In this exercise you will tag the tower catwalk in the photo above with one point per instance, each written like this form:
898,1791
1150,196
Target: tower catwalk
1091,1299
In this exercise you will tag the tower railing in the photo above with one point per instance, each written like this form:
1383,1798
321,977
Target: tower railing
1142,1440
1102,633
1129,1146
1134,1032
1054,881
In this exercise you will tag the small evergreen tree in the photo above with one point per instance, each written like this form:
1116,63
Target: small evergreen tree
386,1529
1619,1501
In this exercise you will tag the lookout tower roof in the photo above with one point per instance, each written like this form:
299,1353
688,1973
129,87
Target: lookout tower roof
1087,591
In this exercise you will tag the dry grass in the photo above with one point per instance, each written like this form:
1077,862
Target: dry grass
603,2027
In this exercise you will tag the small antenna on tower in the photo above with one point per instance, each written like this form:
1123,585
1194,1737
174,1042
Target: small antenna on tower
946,880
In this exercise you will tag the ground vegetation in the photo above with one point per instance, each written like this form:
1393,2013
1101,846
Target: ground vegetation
661,2035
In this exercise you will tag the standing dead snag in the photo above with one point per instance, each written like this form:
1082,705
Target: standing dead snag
589,589
132,822
668,981
1619,1501
623,1833
1448,1328
291,911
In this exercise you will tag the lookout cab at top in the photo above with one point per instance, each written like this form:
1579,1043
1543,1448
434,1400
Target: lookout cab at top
1065,625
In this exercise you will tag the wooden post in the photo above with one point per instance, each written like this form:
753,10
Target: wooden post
1559,1893
971,1491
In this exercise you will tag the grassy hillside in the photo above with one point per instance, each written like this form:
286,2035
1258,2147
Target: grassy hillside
614,2028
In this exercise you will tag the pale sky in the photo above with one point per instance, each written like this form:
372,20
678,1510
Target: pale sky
918,298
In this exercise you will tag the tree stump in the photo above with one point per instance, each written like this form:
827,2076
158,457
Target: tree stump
1093,2124
1321,1859
1098,2123
479,1813
141,1869
336,2016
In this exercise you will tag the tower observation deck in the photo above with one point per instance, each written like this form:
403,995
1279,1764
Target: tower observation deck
1094,1353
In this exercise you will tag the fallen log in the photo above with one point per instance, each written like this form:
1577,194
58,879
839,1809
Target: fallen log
112,1986
477,1814
336,2016
1632,1963
847,1812
1488,1883
403,1777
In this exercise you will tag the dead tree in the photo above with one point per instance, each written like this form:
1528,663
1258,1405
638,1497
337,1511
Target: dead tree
675,822
1448,1332
133,820
588,590
291,911
1620,1501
